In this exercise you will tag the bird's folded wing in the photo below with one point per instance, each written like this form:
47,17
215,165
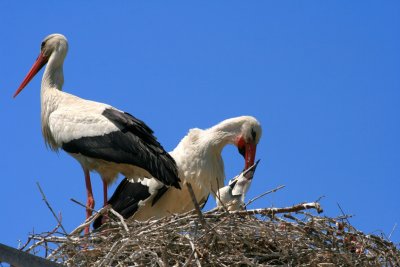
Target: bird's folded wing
113,136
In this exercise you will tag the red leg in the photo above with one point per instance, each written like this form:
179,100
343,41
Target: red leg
105,188
90,199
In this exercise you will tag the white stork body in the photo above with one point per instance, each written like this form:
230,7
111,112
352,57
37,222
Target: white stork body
67,119
101,137
199,161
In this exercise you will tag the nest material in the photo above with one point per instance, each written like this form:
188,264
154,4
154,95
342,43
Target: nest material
259,237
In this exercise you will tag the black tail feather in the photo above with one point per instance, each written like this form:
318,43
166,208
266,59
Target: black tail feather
125,199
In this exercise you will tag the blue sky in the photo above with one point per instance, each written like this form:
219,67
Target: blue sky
321,77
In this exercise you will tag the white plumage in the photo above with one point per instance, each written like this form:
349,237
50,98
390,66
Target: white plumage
199,161
101,137
231,197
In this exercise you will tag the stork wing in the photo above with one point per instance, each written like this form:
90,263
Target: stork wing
126,199
115,136
129,196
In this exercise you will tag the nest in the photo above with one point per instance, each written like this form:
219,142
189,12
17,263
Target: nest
290,236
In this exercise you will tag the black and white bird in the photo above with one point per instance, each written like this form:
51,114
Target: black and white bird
231,197
101,137
199,161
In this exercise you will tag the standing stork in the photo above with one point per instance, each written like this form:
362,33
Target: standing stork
199,161
101,137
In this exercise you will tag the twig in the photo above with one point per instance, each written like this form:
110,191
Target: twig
26,244
44,238
394,227
200,215
51,209
318,199
271,211
194,251
82,205
79,229
263,194
196,205
107,258
344,214
217,195
121,219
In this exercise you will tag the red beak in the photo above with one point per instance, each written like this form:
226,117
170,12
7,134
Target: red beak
250,155
39,63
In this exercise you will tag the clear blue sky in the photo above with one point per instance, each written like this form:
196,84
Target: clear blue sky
322,77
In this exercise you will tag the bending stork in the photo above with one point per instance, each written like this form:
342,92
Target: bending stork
199,161
101,137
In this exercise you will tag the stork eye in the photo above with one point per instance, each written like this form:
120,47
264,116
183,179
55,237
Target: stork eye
42,45
253,134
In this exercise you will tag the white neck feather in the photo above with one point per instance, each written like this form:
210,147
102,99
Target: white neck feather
50,93
198,155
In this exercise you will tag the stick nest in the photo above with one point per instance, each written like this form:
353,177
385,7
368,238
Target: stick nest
262,237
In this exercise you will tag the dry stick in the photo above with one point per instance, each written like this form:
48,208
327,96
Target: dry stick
196,205
164,257
344,214
52,211
318,200
394,227
269,211
224,208
26,243
42,238
263,194
108,256
213,228
80,228
200,214
55,239
121,219
218,196
89,220
194,251
83,205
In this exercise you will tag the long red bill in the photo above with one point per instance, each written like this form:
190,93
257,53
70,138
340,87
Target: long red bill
39,63
250,155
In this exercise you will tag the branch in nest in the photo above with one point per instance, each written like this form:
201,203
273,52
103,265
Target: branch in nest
50,208
272,211
263,194
196,205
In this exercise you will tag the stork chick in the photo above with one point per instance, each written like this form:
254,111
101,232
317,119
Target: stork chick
231,197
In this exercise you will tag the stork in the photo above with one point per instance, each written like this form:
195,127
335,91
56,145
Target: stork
199,161
232,196
101,137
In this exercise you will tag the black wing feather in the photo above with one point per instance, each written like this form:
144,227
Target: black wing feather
134,144
125,199
160,193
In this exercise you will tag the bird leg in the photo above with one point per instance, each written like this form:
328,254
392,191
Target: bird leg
90,199
105,188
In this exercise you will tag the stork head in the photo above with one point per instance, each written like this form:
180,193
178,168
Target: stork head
53,44
247,138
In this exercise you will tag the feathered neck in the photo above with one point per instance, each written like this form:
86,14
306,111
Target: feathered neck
198,155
